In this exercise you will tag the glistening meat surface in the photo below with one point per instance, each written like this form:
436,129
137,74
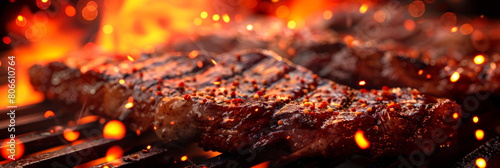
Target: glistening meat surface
250,99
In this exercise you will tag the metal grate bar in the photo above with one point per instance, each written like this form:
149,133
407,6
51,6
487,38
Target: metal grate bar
487,151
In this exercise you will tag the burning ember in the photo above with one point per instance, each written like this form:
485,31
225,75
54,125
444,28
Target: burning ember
12,149
71,135
114,129
114,153
361,140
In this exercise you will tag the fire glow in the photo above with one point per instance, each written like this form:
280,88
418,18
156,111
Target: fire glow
12,149
48,114
71,135
479,134
114,153
480,162
114,129
361,140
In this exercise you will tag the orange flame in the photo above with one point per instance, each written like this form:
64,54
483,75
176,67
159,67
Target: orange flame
12,149
114,129
114,153
71,135
37,38
361,140
475,119
130,29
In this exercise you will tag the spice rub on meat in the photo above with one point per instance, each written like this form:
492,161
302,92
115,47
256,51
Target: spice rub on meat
250,99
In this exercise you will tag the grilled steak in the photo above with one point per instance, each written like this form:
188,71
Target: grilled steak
250,100
394,57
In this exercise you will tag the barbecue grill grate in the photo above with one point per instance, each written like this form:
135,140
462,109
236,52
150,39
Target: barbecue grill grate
44,148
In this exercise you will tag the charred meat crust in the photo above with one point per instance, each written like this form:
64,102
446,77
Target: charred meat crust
251,100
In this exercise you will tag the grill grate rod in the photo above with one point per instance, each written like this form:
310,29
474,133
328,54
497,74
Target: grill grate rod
488,150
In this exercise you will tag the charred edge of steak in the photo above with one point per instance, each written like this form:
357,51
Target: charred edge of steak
251,100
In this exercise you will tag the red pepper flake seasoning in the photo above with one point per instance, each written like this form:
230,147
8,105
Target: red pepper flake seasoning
158,93
323,105
363,91
232,67
393,105
238,57
237,101
255,87
280,122
285,68
260,93
266,97
302,81
187,97
181,84
305,91
233,94
312,107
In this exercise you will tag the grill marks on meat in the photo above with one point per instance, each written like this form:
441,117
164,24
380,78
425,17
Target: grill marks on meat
380,59
252,100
